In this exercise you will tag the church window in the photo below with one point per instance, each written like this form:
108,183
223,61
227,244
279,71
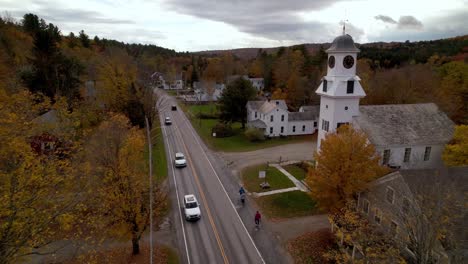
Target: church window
407,155
365,206
315,124
326,106
350,87
345,108
271,130
377,216
271,118
405,206
393,228
282,118
294,128
255,114
282,129
427,153
325,85
390,195
303,127
386,156
325,125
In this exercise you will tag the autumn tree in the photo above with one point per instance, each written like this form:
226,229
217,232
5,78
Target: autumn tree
84,39
453,92
233,101
354,232
346,163
456,151
39,194
116,151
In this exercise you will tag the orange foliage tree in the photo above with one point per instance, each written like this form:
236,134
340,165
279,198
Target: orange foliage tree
345,164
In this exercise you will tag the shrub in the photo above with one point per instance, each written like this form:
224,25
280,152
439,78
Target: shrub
203,115
254,134
222,130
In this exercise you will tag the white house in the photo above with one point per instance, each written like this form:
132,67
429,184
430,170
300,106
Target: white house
160,81
273,117
257,83
406,136
207,92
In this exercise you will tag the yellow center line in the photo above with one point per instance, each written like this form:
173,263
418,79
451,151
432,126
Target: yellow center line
213,226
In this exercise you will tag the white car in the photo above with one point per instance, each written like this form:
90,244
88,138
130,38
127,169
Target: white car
180,160
167,121
191,208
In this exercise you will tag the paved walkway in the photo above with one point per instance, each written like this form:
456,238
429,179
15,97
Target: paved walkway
296,182
275,191
291,228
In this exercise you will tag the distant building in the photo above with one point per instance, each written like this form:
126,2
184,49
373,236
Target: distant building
161,81
406,136
257,83
206,92
405,203
273,117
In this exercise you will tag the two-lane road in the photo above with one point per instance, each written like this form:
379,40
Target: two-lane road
220,235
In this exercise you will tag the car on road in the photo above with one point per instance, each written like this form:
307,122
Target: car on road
167,121
191,208
174,108
180,160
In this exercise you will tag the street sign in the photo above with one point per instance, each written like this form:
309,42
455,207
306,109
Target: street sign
261,174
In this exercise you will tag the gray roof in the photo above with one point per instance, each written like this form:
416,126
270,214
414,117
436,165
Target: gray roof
301,116
257,123
315,109
405,124
344,43
266,106
50,117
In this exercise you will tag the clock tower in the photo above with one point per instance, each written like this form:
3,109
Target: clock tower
340,90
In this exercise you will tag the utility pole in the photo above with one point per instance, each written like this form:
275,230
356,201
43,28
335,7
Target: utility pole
151,186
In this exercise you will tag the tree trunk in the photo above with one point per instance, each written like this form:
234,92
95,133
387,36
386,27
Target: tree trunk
136,245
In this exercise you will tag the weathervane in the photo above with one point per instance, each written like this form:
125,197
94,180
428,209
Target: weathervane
344,23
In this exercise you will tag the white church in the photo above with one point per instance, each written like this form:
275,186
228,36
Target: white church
406,136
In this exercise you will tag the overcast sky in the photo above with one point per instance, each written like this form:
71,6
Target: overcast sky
193,25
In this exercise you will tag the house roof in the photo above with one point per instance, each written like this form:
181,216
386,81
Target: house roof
267,106
405,124
447,186
50,117
257,123
301,116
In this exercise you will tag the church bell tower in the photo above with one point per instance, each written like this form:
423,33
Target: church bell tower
340,90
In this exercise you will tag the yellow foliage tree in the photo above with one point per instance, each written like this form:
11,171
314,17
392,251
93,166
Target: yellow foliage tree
116,74
456,152
38,193
345,164
122,200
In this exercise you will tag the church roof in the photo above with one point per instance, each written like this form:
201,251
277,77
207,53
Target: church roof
301,116
315,109
257,123
405,124
344,43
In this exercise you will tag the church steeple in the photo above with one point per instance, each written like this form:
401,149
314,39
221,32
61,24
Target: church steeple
340,90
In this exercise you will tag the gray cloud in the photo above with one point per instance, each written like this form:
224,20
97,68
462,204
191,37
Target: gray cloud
405,22
453,24
409,22
272,19
386,19
51,11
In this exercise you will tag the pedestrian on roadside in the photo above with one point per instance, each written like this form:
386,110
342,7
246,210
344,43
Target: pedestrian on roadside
258,216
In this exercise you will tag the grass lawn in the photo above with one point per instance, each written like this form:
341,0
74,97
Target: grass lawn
159,153
275,178
286,205
170,92
236,143
296,171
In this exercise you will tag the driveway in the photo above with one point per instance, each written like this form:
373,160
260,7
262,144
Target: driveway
297,151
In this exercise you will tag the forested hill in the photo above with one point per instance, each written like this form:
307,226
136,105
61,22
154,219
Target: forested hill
390,53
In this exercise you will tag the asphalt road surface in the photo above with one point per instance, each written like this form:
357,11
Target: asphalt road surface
225,233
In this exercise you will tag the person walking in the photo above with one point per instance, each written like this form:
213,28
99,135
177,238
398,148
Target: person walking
258,216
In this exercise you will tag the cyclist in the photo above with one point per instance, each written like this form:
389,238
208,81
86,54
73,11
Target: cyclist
242,194
258,216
